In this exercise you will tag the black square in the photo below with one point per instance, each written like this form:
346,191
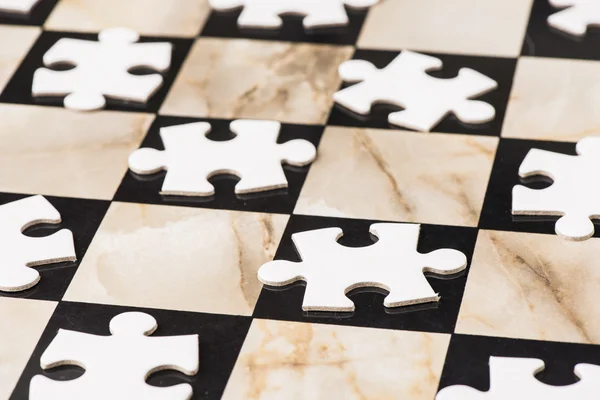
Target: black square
36,17
542,40
285,303
82,217
146,189
468,357
224,24
220,339
499,69
18,89
496,212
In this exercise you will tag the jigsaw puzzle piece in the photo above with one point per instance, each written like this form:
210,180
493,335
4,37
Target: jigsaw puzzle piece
267,13
515,378
571,196
575,19
101,70
17,6
254,155
332,270
124,359
22,252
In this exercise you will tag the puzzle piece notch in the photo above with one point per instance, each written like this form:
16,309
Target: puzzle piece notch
190,158
22,7
21,252
392,263
514,378
577,17
572,195
117,366
102,69
266,13
426,100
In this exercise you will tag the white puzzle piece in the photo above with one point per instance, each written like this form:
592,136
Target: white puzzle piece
574,194
426,100
266,13
513,378
20,252
392,263
101,70
117,366
190,158
577,17
23,7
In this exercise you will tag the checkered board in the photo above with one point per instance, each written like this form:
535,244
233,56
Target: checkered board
192,262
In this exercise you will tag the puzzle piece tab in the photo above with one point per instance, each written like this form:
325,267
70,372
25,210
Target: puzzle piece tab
23,7
190,158
116,366
20,252
101,70
574,195
575,19
513,378
426,100
266,13
392,263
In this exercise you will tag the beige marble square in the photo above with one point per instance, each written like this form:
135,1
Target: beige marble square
18,41
148,17
399,176
554,99
533,286
22,322
291,360
485,27
239,78
177,258
62,153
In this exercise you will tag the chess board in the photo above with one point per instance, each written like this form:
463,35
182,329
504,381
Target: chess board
192,262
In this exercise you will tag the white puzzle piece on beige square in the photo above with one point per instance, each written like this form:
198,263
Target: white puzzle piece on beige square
514,378
266,14
101,70
576,17
331,270
117,366
190,158
426,100
574,195
20,252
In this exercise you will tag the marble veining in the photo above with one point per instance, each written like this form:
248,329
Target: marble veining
564,110
532,286
177,258
311,361
457,27
148,17
399,175
62,153
22,322
15,49
288,82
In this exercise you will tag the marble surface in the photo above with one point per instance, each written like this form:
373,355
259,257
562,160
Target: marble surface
532,286
288,82
22,322
289,360
15,49
177,258
148,17
62,153
458,26
565,110
399,176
